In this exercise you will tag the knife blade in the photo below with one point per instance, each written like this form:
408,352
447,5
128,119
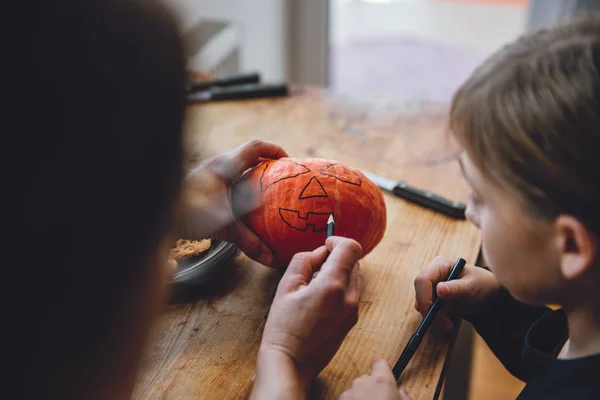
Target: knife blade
421,197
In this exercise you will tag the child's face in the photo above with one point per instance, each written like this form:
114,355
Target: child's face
517,246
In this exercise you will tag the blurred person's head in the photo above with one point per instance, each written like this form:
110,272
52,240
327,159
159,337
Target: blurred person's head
94,155
529,122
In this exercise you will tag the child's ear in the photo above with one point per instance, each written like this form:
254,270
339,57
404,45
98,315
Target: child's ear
577,245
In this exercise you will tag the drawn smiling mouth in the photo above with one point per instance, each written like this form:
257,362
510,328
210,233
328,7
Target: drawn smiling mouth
294,220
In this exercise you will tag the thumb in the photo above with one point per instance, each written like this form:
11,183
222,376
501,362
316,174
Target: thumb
453,290
249,243
302,268
381,368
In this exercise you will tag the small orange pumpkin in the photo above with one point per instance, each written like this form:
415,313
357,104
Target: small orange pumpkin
298,195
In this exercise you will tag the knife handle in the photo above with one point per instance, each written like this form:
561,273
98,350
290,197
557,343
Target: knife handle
431,200
231,80
248,91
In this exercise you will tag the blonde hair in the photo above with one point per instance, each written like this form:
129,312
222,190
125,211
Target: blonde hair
529,118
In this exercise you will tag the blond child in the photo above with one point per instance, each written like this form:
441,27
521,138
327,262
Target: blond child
528,120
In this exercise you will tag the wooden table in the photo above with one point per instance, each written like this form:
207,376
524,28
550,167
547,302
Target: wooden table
206,343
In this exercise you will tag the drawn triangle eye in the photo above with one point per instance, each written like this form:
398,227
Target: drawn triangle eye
274,172
341,173
313,188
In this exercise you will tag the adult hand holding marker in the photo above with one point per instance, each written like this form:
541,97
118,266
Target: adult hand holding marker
295,349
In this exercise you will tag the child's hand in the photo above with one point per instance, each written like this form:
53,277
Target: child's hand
465,295
379,384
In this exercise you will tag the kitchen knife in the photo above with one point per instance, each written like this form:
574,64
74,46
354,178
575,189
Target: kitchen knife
422,197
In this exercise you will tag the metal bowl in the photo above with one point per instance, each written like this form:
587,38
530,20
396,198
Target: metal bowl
204,268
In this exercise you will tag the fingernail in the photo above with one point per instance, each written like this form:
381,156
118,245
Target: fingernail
440,287
321,249
265,258
448,324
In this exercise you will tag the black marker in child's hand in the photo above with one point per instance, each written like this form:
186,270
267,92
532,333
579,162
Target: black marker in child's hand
415,340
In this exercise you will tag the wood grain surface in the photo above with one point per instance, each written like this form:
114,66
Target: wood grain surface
205,345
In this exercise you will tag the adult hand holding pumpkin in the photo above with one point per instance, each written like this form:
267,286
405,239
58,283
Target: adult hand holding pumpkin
309,318
209,192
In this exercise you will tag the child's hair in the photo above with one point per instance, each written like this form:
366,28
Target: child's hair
529,118
94,152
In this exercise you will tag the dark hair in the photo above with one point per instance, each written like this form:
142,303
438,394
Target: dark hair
529,117
94,155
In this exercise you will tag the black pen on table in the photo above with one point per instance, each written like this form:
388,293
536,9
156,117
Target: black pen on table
415,340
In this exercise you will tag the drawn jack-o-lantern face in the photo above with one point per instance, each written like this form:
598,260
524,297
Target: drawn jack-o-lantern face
312,194
298,197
